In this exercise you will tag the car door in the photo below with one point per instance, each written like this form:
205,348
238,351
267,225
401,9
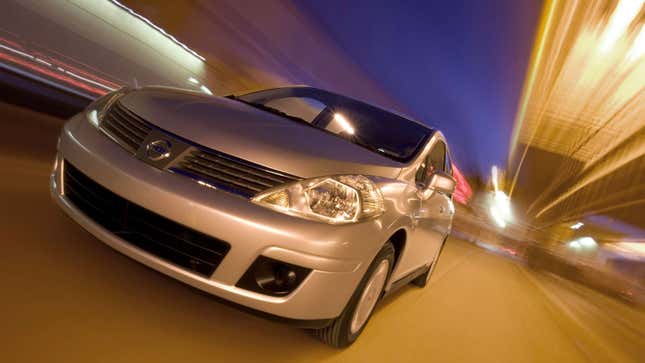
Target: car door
433,218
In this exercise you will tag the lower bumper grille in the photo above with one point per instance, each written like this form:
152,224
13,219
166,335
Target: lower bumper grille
146,230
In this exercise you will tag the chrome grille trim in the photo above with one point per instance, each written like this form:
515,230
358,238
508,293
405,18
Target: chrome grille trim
124,127
206,166
227,171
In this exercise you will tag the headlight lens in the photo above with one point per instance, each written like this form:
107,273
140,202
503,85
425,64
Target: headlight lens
334,200
96,110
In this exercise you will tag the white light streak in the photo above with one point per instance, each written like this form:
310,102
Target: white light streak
342,121
500,208
160,30
43,62
495,175
586,243
89,81
638,49
622,16
206,90
17,51
577,225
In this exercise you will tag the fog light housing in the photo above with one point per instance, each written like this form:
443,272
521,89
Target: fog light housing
272,277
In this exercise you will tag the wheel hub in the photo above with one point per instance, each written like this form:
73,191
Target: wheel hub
370,296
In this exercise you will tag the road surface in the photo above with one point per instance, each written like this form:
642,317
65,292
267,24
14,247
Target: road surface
66,297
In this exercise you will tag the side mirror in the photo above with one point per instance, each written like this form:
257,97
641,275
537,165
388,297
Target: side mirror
442,182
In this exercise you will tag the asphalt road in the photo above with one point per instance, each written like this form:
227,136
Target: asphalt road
66,297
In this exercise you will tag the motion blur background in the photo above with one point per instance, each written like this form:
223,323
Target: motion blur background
543,104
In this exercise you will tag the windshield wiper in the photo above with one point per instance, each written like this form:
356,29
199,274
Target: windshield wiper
272,110
360,142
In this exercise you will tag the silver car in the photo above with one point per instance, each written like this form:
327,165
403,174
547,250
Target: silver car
295,203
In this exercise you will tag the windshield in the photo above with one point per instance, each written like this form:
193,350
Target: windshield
378,130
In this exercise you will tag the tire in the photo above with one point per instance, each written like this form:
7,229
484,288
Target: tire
423,280
343,331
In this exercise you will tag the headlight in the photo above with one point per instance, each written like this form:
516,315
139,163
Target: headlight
334,200
97,109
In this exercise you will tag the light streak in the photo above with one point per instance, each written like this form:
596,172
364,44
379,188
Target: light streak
157,28
638,49
577,226
205,90
625,12
529,85
342,121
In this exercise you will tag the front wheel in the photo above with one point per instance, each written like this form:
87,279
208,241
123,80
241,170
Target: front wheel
344,330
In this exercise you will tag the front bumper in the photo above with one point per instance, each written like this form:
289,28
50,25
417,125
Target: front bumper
337,255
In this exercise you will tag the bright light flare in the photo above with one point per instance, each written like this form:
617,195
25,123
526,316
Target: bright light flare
631,248
583,243
463,191
160,30
342,121
625,12
577,226
206,90
500,208
495,174
638,49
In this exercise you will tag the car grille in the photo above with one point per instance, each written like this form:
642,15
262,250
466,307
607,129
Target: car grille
126,128
229,172
208,167
144,229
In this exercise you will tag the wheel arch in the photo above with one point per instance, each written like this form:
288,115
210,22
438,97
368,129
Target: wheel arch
398,240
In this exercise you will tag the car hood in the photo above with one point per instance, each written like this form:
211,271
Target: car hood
258,136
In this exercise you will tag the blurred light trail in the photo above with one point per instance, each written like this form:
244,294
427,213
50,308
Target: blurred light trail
206,90
463,191
582,108
543,34
500,208
28,68
31,63
577,225
583,243
495,177
638,49
631,248
159,29
623,15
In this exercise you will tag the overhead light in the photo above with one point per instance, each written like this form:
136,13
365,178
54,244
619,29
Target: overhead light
577,225
193,80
